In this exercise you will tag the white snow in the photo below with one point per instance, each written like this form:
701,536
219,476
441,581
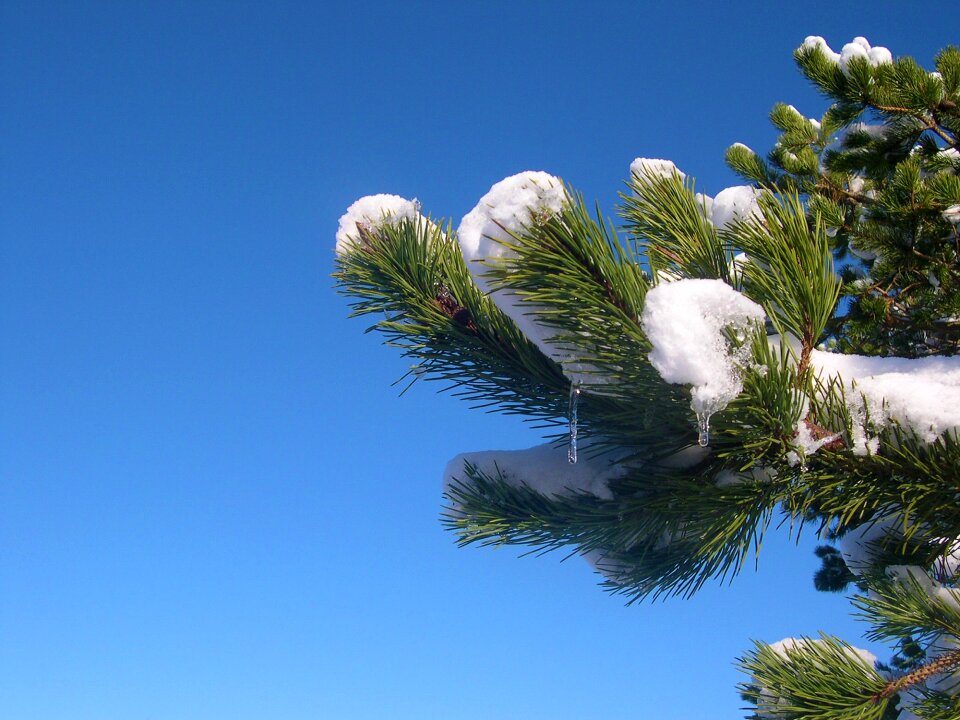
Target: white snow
853,50
667,276
739,201
738,264
641,168
812,121
510,207
922,394
805,444
860,546
684,321
880,56
874,130
858,47
940,644
735,203
952,214
948,566
813,41
612,570
685,458
705,204
543,468
934,589
788,645
373,211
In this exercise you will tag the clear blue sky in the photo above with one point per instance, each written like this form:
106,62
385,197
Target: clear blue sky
212,502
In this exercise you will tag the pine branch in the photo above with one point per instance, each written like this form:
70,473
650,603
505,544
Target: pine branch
413,274
824,679
579,280
790,270
652,545
665,216
908,606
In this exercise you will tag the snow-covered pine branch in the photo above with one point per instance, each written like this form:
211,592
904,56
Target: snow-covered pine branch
787,346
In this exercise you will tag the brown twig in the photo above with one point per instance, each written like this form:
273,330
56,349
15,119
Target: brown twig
944,663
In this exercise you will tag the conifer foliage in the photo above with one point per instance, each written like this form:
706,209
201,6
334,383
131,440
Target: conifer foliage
785,348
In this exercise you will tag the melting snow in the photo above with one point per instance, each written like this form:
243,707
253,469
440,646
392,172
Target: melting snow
684,321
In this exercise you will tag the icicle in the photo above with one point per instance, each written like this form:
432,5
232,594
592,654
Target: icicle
574,406
703,424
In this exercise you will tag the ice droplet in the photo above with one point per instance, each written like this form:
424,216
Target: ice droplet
574,407
703,425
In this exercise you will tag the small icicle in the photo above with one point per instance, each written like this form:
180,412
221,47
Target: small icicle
574,407
703,424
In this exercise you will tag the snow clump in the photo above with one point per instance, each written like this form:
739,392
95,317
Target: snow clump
813,121
685,322
511,207
705,204
875,131
370,212
643,168
919,394
756,474
942,643
948,566
735,203
858,47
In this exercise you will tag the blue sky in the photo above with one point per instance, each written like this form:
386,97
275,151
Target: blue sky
212,502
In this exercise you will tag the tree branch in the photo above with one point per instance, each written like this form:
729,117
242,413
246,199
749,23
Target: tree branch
944,663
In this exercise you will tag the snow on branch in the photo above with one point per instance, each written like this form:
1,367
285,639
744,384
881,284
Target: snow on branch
543,468
371,212
859,47
687,322
920,394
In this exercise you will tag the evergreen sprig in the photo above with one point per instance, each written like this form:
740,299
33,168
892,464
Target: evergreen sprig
822,679
790,269
413,274
668,221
